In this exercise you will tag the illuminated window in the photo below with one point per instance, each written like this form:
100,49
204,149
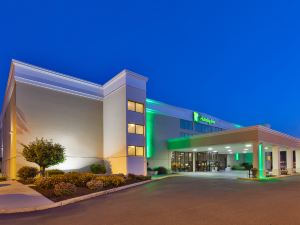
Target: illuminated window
131,105
139,107
136,150
135,106
131,128
135,129
139,151
131,150
139,129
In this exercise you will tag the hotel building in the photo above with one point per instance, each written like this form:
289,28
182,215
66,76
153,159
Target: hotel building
117,124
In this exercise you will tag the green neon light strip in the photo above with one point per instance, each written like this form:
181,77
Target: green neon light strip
150,116
261,161
237,156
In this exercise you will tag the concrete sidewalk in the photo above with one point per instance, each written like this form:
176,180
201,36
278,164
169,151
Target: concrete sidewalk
16,195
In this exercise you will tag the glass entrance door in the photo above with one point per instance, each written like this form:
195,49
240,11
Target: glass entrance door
182,161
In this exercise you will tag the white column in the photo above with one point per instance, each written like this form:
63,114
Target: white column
194,162
289,161
276,160
298,160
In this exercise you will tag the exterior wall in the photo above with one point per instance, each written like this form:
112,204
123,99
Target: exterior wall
136,164
115,130
9,138
73,121
164,127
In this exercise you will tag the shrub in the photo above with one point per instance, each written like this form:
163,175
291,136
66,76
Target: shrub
112,180
27,172
134,177
161,170
63,188
98,168
237,167
3,179
53,172
48,182
78,179
94,184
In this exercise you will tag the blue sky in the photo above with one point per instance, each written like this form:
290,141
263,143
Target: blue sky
237,60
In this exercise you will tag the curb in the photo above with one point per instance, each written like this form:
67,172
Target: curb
77,199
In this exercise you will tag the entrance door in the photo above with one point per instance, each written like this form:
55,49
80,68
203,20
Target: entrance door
182,161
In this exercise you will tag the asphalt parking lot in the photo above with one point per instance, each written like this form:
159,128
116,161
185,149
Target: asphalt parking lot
181,200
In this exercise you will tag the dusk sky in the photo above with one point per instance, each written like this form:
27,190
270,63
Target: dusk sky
237,60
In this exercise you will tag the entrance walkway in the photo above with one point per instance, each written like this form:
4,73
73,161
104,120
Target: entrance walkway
220,174
15,195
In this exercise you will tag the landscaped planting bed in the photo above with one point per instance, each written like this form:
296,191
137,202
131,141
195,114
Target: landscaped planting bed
70,185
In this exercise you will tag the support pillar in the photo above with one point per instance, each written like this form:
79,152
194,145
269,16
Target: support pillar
289,161
259,159
194,162
276,160
298,161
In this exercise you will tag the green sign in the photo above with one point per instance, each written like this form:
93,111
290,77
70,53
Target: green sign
199,118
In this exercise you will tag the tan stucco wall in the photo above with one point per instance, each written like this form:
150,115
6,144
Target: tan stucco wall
9,138
73,121
115,128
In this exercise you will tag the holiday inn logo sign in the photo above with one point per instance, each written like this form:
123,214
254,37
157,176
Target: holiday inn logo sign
200,118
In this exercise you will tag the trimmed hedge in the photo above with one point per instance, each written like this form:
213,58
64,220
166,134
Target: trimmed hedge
161,170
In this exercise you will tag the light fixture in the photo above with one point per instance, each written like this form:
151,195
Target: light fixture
248,145
194,149
229,150
266,148
227,147
215,151
246,149
210,148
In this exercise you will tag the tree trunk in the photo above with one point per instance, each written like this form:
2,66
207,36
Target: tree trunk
42,170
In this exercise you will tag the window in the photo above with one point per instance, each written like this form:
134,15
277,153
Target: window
185,124
131,106
135,150
135,106
135,129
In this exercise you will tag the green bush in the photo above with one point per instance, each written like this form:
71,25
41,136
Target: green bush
62,189
54,172
27,172
94,184
98,168
238,167
48,182
161,170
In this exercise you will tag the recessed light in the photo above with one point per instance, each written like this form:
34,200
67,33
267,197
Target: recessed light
227,147
248,145
194,149
246,149
210,149
215,151
266,148
229,150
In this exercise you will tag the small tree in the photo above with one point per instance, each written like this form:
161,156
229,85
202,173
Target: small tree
44,152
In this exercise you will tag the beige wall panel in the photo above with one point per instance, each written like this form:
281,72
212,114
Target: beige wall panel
73,121
115,129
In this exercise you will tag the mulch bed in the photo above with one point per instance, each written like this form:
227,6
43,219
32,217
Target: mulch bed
80,191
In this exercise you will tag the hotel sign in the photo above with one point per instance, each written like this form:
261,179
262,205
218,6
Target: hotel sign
200,118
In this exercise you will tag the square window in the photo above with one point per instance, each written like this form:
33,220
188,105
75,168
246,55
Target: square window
131,150
139,151
131,128
139,108
140,129
131,105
